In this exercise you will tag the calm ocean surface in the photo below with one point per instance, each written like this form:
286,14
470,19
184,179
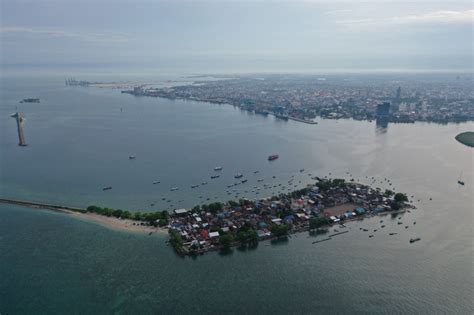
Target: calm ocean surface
80,140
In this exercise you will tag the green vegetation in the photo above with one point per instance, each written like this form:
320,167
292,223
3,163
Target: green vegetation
226,241
466,138
175,240
212,207
317,222
158,218
400,197
279,230
388,193
331,183
299,193
248,237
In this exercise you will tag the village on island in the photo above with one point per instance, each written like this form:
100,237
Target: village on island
244,223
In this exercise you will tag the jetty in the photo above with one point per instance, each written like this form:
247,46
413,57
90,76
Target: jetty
19,123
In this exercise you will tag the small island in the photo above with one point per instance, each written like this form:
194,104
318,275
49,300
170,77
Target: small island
243,223
466,138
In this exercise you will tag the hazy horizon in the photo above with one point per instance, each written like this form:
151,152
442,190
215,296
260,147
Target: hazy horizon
237,36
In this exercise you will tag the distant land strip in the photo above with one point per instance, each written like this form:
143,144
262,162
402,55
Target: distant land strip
466,138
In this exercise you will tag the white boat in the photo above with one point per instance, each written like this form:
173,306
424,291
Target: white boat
218,168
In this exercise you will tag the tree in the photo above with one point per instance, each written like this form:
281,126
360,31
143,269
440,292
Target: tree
248,236
215,207
317,222
175,240
388,193
279,230
226,240
400,198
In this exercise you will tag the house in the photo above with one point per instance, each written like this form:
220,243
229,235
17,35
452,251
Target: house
214,234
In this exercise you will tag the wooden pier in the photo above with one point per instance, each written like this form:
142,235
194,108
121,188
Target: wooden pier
19,122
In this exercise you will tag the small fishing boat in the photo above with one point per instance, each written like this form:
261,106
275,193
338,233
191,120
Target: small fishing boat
273,157
218,168
413,240
239,175
157,182
174,188
214,176
131,157
107,188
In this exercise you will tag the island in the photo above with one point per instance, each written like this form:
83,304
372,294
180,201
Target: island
245,222
466,138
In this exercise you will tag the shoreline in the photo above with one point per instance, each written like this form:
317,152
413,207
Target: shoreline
82,214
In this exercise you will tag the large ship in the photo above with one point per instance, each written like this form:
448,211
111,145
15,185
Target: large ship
273,157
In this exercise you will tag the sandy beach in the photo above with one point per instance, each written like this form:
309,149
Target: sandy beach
108,222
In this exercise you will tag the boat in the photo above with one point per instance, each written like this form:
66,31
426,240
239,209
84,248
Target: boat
194,186
107,188
30,100
392,233
132,157
157,182
302,170
273,157
174,188
413,240
244,181
214,176
371,235
256,172
204,183
218,168
238,175
460,181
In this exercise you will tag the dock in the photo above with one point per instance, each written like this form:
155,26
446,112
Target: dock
19,123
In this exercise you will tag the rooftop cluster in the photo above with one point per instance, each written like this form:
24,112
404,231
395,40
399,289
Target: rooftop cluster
303,98
245,222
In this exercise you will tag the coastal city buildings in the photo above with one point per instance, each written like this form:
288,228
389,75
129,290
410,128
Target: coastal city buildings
305,97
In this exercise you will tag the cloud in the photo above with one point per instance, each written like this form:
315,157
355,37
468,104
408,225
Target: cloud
443,17
87,37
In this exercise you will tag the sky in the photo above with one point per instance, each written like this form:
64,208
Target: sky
237,36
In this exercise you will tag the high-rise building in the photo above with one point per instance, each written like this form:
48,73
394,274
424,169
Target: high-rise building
398,96
383,110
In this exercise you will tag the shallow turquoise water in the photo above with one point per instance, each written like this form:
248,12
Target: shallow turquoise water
80,141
